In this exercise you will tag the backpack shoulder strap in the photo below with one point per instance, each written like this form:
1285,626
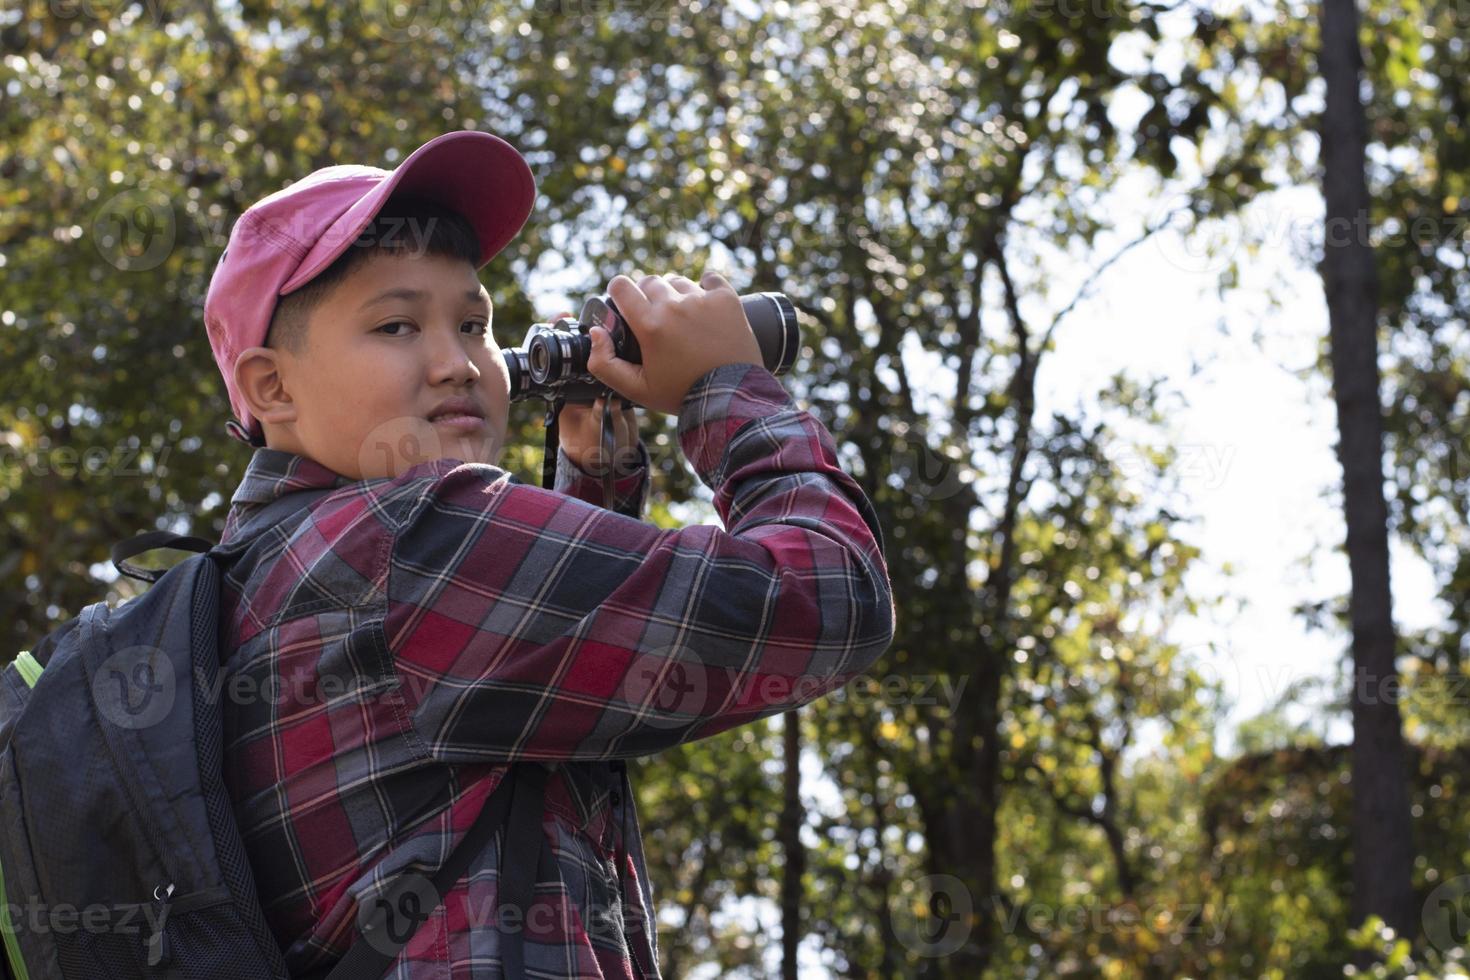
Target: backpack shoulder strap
139,543
525,859
277,509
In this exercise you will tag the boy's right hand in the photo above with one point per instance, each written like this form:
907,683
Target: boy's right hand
684,330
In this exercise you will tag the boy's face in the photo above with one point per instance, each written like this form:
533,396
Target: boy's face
383,350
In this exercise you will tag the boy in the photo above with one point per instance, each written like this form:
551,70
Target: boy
431,618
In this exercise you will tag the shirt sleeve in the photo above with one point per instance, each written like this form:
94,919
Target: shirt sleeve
528,624
630,489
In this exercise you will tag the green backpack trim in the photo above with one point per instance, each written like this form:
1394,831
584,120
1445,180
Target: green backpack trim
12,946
30,671
28,667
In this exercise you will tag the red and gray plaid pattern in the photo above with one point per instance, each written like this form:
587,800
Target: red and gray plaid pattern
393,651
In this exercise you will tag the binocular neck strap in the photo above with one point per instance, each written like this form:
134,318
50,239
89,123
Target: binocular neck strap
553,440
609,442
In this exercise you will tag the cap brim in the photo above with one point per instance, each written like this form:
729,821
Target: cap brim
479,175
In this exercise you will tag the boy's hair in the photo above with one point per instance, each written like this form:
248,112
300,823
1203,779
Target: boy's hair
405,225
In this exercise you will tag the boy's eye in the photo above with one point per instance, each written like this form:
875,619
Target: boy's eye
479,328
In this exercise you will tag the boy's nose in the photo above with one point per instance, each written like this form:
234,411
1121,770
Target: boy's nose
449,361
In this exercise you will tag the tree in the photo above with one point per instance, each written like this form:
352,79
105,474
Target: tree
1382,846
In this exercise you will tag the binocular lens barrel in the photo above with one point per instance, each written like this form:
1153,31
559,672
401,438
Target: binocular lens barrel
553,362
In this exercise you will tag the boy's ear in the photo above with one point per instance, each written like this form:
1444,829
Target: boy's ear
258,376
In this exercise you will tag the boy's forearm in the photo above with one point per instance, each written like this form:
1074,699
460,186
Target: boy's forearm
754,448
630,488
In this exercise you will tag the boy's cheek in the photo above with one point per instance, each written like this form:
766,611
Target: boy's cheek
497,376
497,443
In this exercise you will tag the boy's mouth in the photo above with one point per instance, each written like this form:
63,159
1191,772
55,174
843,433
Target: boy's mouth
461,423
458,410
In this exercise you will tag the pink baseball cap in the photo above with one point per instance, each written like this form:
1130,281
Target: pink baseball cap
284,240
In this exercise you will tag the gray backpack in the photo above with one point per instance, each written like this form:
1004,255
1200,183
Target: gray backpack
120,857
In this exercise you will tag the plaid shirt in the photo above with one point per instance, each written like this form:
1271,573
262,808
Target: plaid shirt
390,650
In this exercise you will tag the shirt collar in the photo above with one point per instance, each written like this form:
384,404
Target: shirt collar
273,473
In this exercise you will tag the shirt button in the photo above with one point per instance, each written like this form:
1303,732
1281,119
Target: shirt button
616,797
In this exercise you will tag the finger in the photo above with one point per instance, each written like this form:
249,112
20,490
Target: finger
655,287
713,280
573,410
683,284
622,376
629,298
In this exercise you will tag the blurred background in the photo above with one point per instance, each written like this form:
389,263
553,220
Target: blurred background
1064,285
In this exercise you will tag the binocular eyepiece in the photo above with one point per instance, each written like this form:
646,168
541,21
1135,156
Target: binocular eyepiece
552,361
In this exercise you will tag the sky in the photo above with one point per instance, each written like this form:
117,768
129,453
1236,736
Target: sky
1256,433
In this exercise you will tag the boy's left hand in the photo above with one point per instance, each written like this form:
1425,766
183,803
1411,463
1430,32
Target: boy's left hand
580,431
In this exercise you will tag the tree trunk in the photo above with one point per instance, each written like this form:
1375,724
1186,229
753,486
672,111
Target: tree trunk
1381,833
791,818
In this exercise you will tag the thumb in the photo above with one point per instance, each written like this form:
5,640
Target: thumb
622,376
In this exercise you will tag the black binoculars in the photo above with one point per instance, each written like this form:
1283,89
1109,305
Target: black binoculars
552,361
